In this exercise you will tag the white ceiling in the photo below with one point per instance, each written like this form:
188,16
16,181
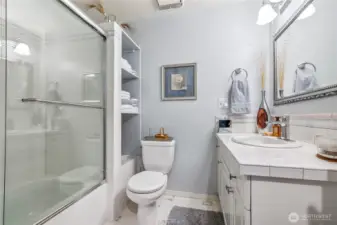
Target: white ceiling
131,10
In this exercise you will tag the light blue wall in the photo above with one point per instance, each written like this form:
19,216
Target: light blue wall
219,40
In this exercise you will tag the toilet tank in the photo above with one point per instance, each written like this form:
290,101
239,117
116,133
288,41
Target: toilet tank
158,156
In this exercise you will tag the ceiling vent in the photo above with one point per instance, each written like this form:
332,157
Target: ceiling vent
169,4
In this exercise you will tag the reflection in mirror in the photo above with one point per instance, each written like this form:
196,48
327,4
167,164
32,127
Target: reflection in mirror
305,52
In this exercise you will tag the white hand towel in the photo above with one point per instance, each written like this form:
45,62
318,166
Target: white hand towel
238,97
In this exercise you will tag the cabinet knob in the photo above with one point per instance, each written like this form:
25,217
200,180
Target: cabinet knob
231,177
229,189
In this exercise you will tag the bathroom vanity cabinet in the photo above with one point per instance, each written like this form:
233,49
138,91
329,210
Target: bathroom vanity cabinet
233,190
274,193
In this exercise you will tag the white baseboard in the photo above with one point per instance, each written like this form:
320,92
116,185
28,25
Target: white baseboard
192,195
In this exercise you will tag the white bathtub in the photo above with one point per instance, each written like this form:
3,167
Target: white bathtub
36,200
33,201
128,169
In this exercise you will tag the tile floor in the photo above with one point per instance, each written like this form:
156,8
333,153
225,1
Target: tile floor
165,204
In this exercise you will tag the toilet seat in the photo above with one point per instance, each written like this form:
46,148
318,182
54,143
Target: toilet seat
147,182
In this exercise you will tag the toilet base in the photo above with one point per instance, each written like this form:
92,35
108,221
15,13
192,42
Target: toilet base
147,214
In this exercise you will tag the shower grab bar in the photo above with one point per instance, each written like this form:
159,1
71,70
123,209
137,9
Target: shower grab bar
27,100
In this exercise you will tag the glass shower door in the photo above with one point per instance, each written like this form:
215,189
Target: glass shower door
55,132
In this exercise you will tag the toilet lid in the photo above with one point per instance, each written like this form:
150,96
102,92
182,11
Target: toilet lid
147,182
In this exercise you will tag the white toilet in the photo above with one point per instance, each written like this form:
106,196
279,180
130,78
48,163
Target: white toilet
146,187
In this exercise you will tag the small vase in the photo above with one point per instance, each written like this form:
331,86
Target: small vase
263,115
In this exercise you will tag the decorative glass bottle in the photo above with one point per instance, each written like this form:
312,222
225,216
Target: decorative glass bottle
263,119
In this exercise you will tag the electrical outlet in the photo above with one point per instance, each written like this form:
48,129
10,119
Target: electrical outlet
222,103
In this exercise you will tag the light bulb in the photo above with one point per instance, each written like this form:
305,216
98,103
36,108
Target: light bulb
22,49
266,15
309,11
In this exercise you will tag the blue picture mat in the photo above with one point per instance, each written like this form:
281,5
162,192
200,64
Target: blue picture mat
189,72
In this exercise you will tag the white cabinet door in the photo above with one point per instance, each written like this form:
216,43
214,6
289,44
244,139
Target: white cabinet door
226,195
239,212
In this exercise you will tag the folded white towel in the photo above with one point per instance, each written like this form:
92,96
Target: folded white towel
126,101
126,107
125,98
125,92
129,110
126,65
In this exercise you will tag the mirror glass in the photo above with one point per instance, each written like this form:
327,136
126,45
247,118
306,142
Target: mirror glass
306,52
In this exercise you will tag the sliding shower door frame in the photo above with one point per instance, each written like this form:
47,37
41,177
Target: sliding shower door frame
82,16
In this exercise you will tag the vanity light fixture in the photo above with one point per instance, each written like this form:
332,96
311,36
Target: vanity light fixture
266,14
309,11
169,4
269,10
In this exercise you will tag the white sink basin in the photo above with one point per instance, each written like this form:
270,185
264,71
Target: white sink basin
265,142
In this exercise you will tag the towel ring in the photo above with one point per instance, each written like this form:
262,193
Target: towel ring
302,66
237,72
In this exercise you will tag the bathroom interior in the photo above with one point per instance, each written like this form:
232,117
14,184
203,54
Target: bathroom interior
168,112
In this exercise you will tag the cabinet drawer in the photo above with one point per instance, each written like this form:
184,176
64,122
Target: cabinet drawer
239,183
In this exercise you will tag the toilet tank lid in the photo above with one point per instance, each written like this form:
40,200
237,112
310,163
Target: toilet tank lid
158,143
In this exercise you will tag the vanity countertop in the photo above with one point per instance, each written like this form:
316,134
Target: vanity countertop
296,163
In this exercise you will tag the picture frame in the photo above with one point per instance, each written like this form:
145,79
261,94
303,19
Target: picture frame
179,82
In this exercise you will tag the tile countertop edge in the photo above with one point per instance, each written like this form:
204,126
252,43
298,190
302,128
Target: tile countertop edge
277,171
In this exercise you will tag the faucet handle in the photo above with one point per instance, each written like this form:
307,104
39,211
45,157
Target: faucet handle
285,120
